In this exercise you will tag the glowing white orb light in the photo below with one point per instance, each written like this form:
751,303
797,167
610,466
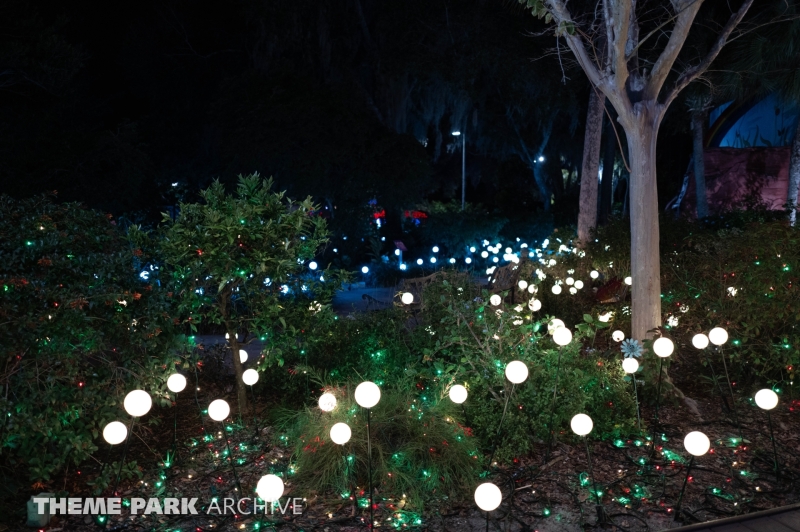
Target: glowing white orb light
562,336
605,317
485,254
115,432
696,443
435,249
618,336
368,394
581,424
312,265
630,365
327,402
700,341
516,371
523,284
250,377
176,383
270,488
718,336
570,281
495,300
532,289
535,305
663,347
242,356
556,289
137,403
488,497
407,298
766,399
365,269
573,290
219,409
579,284
628,281
594,274
340,433
458,394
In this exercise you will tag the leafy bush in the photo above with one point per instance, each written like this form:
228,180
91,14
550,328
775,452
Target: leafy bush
80,329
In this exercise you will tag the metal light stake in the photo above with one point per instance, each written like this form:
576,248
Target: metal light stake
683,489
602,516
551,432
499,428
766,400
367,395
658,401
774,448
662,347
369,477
697,444
124,453
733,399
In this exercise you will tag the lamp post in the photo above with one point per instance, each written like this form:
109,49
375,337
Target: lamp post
561,336
269,489
700,341
631,366
367,395
137,403
696,444
581,424
516,372
463,166
718,336
488,497
663,348
458,394
250,377
219,410
176,383
766,400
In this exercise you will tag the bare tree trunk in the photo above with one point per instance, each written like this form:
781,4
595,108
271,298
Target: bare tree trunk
241,390
794,176
607,183
698,121
541,183
645,257
587,207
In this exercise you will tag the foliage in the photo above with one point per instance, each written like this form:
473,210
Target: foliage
80,329
241,263
419,451
736,271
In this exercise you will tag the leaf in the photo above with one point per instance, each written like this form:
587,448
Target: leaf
588,318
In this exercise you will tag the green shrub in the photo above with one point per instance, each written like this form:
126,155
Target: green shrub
80,329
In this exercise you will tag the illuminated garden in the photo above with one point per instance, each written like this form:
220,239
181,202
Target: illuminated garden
449,298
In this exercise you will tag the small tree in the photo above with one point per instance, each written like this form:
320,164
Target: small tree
240,263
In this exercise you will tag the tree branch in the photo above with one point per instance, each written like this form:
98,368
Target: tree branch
694,72
561,15
620,22
683,24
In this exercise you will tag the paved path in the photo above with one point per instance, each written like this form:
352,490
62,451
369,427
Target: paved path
353,300
783,519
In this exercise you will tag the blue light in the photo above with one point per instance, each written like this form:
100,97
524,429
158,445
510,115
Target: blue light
285,289
365,269
468,260
433,260
397,252
472,249
495,259
452,261
312,265
145,275
335,250
419,261
403,267
436,249
267,281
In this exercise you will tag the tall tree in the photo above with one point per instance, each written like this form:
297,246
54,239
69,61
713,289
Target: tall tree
699,105
587,211
634,79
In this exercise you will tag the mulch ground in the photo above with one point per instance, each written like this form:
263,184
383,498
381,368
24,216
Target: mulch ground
640,485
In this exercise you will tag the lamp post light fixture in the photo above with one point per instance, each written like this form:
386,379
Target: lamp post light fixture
663,348
582,425
562,337
766,400
341,433
463,166
250,377
137,403
516,372
701,341
327,402
697,444
718,336
488,498
219,410
407,298
367,395
176,383
631,366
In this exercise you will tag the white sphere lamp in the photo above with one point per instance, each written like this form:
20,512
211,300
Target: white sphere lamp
663,347
137,403
594,274
495,300
488,497
535,305
766,399
516,371
581,424
700,341
115,432
523,284
368,394
176,383
407,298
327,402
718,336
250,377
458,394
340,433
579,284
630,365
696,443
628,281
219,409
562,336
556,289
554,324
270,488
242,356
618,336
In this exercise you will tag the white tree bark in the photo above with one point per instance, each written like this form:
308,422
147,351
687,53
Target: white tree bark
587,208
698,121
794,176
